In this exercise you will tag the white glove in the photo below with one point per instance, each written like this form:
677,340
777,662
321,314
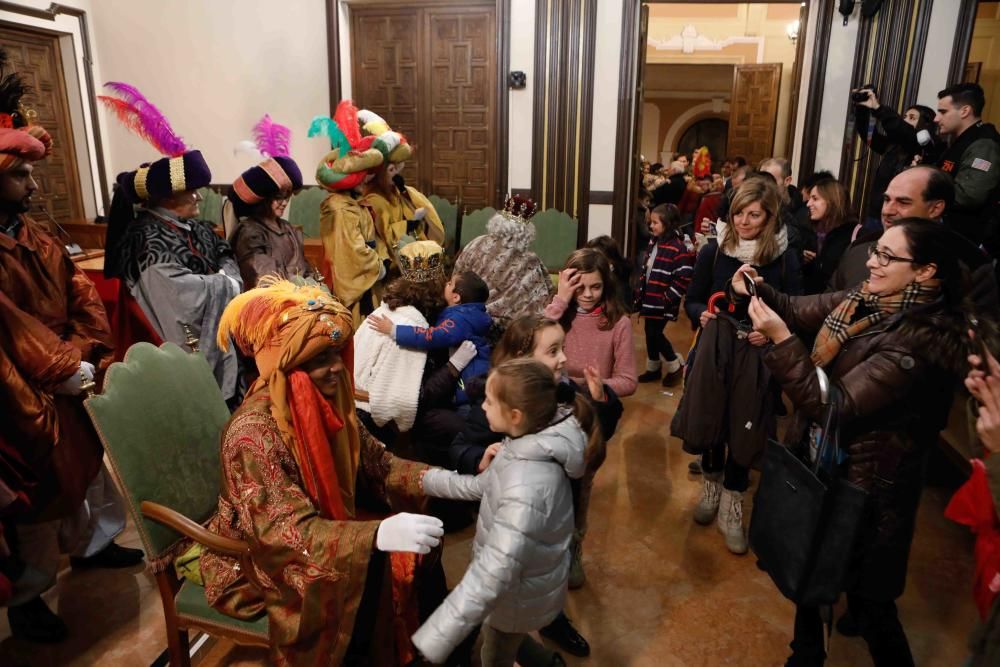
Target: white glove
235,283
416,533
420,213
73,385
463,355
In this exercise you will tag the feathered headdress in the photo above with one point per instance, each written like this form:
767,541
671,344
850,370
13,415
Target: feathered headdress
254,318
142,117
12,89
20,139
270,139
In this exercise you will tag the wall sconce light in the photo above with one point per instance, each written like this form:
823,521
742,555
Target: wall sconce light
792,30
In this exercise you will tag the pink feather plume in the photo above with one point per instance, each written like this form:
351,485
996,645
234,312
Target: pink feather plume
272,139
155,127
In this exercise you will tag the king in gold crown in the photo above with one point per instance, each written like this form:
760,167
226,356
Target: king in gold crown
421,261
518,208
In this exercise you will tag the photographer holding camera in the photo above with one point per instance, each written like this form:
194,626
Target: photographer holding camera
899,139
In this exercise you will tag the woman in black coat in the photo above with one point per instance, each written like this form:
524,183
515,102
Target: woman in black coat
893,348
836,227
727,373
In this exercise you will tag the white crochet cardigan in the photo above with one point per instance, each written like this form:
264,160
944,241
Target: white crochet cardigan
390,374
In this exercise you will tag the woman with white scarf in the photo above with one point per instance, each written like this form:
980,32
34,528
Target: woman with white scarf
728,387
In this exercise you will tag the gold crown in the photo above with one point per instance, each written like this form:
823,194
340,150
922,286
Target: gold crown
519,208
421,261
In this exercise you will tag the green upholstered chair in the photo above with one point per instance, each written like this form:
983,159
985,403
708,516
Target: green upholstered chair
160,418
303,210
555,237
211,206
448,213
474,223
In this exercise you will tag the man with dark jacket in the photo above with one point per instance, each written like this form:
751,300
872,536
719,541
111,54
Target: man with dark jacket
972,159
920,192
673,189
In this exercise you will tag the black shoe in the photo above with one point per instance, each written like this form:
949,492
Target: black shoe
673,378
562,632
34,621
650,376
847,625
112,556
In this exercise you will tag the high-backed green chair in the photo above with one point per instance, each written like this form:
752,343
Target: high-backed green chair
448,213
303,210
555,237
474,223
210,206
160,418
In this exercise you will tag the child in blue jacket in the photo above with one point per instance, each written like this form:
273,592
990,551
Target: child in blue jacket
465,319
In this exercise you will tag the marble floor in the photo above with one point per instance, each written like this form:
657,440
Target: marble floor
661,590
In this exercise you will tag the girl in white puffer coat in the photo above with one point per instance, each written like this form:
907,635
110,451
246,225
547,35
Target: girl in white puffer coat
517,580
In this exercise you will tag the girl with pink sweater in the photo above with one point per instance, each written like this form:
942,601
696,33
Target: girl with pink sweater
598,329
598,348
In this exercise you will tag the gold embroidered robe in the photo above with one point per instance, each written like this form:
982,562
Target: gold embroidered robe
313,570
352,263
391,215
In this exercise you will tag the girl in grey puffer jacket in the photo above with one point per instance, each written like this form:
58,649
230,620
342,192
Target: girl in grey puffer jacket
516,582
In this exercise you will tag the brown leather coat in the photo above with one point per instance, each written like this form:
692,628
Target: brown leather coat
896,381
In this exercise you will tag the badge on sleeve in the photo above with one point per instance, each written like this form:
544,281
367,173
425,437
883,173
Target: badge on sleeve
981,164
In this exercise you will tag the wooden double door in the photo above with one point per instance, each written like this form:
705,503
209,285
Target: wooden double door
36,56
431,72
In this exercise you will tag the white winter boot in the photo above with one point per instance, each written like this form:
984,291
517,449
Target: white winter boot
730,521
711,492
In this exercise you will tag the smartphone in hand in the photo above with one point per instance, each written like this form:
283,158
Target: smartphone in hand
977,345
749,283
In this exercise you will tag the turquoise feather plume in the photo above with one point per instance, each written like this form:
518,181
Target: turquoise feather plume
326,126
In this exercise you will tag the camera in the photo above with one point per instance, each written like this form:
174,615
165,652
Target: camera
861,94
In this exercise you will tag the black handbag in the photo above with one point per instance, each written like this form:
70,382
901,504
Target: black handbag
806,517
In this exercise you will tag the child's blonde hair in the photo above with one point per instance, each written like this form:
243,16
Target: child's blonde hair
529,386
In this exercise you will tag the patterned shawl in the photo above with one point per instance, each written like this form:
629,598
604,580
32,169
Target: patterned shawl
861,310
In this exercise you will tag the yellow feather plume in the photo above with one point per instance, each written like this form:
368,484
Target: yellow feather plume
252,317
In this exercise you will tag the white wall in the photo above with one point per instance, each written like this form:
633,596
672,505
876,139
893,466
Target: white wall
607,62
214,68
937,55
836,94
521,102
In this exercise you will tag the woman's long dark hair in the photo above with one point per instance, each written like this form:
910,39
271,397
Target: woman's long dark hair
839,211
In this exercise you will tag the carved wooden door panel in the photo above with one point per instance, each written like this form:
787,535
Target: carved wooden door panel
36,56
753,111
460,104
430,71
385,51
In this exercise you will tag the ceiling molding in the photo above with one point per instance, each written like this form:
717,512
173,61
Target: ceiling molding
689,41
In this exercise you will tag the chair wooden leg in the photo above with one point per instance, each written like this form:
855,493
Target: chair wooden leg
177,638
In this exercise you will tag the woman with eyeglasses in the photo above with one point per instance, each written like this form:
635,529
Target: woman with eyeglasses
264,242
893,348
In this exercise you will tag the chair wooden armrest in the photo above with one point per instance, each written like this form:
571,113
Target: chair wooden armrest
189,528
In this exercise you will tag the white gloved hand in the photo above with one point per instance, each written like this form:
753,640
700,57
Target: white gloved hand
420,213
416,533
232,281
463,355
73,385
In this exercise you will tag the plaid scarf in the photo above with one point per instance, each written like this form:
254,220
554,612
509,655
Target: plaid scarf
862,309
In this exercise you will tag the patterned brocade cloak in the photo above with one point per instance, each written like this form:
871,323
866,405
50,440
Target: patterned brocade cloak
172,270
518,281
315,572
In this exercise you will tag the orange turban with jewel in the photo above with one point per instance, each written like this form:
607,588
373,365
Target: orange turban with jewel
284,325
